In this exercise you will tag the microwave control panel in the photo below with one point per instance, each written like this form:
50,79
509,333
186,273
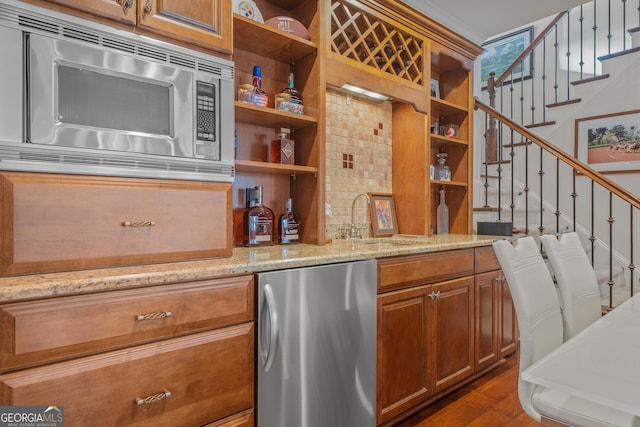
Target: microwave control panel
206,121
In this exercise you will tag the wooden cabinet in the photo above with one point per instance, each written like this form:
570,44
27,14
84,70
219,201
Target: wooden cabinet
278,53
453,331
487,318
425,328
415,147
55,222
443,318
389,48
196,366
203,23
508,321
109,320
496,334
404,351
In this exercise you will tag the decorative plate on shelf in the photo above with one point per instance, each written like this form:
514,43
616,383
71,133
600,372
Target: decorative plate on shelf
248,9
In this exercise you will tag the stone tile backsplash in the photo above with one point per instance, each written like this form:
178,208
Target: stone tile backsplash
358,158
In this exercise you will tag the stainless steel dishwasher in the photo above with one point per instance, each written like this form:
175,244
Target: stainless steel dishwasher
317,346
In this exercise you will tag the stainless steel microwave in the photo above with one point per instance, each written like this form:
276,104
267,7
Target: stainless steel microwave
81,97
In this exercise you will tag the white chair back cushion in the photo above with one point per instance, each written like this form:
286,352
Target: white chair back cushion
577,282
536,303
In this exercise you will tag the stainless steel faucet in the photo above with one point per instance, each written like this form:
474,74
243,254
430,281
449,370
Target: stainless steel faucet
353,232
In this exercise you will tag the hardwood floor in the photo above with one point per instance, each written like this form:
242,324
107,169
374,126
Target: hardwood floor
489,401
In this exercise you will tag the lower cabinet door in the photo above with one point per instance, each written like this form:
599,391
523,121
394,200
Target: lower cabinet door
487,318
508,320
186,381
453,332
403,351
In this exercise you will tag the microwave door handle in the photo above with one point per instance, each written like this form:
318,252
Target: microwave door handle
269,354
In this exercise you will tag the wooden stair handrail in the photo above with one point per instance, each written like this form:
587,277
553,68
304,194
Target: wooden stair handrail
585,170
529,49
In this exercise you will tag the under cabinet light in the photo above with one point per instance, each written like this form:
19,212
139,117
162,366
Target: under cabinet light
365,92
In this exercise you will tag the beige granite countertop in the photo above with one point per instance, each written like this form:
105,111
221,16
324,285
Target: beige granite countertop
244,260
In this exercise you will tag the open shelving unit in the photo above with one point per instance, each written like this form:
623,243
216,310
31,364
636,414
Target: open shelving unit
415,149
278,53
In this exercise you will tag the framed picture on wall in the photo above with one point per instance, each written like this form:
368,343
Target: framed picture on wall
609,143
435,88
383,214
501,52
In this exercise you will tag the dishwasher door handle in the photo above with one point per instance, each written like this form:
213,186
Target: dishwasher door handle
268,355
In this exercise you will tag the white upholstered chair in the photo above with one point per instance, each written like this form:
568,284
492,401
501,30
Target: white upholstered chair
577,282
541,331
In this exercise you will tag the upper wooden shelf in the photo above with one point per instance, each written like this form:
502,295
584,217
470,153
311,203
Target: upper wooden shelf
285,4
268,41
263,116
448,140
275,168
450,183
440,107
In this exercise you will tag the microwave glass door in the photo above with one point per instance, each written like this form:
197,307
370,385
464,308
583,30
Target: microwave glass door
93,98
102,101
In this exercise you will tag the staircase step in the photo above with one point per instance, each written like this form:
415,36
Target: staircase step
569,102
591,79
484,175
537,125
618,54
497,162
635,36
486,209
517,144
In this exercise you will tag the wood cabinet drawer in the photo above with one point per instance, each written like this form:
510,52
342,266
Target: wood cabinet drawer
243,419
59,222
208,375
406,271
48,330
486,259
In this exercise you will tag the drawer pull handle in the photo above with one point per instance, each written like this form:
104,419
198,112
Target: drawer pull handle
154,316
138,223
153,398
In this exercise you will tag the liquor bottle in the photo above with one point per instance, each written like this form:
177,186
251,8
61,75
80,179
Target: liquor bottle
288,226
282,149
257,223
442,215
295,97
235,144
260,97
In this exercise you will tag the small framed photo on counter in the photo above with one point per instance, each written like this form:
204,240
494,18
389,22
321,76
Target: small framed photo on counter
383,214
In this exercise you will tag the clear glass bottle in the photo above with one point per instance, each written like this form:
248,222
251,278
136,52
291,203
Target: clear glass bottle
288,226
260,97
257,223
442,215
295,97
441,169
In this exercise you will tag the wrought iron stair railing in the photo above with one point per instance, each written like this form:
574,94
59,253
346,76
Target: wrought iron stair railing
533,183
571,207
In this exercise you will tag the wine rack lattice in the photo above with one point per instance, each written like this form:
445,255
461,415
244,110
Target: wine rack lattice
368,40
